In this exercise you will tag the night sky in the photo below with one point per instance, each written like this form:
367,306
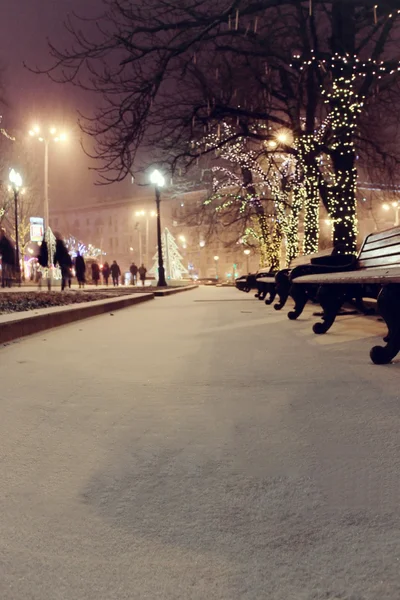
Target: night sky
25,26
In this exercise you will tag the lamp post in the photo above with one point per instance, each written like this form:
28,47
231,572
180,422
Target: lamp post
396,206
247,253
16,183
216,259
157,179
52,136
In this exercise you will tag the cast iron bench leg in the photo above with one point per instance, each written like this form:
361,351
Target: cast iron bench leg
300,296
282,288
331,298
389,308
272,294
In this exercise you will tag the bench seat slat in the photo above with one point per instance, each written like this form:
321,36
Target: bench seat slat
382,235
361,276
386,243
380,251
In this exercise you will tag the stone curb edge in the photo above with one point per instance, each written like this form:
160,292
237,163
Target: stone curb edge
13,330
177,290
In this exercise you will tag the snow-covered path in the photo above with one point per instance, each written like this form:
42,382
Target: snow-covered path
199,447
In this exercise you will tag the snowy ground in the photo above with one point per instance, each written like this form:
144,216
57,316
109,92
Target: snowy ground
199,447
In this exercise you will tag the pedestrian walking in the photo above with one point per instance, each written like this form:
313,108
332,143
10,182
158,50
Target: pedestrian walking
62,258
115,272
142,273
95,273
80,270
8,262
106,272
134,271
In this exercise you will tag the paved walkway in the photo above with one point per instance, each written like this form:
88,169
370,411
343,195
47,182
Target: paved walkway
199,447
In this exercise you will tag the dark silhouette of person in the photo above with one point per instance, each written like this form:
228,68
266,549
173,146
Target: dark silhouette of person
80,270
106,272
134,271
62,258
95,273
115,272
142,273
8,261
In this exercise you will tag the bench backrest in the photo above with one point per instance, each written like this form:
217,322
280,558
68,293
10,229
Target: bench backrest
299,261
380,249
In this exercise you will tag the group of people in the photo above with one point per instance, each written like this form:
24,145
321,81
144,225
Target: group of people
135,271
64,260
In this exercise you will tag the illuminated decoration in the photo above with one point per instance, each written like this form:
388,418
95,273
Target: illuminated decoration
306,151
74,246
336,139
342,202
253,177
174,268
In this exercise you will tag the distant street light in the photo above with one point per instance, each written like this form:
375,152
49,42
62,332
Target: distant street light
157,179
16,184
202,244
46,138
396,207
247,253
147,214
216,259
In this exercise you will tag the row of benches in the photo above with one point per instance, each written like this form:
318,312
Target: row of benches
334,281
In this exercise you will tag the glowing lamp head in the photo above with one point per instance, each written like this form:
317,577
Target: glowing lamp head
53,130
395,204
15,178
36,129
282,137
272,144
246,252
62,137
182,238
157,178
216,258
202,244
385,206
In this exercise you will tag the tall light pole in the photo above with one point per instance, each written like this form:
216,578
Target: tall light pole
247,253
16,184
51,136
157,179
396,206
216,259
147,214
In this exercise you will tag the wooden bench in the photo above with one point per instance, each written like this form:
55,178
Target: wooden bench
378,264
246,283
280,284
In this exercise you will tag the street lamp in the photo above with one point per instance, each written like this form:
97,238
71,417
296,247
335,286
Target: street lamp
216,259
16,184
247,253
157,179
396,207
51,136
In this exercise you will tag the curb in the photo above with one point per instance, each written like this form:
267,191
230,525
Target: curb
177,290
28,325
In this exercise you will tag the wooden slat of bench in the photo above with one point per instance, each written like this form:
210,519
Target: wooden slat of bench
382,261
361,276
386,243
382,235
269,279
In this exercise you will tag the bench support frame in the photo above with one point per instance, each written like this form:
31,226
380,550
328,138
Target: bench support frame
389,308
